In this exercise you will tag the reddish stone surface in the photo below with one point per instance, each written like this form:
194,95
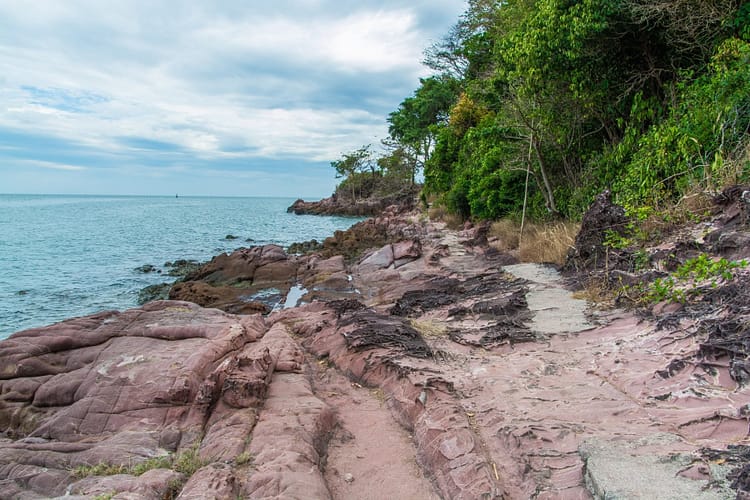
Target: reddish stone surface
419,370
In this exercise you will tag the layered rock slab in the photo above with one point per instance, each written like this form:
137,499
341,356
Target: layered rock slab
128,388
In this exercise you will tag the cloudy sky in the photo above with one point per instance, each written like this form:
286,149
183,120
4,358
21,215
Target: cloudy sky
200,97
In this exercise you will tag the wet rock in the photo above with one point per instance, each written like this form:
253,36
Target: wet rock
182,267
160,291
304,247
230,237
146,268
232,282
229,299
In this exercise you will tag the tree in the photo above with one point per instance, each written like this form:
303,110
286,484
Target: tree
353,163
414,124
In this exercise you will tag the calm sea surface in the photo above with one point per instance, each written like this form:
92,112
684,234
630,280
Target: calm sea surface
66,256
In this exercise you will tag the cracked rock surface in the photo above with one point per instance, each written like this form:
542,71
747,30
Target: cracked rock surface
430,367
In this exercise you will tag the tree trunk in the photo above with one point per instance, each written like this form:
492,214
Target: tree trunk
549,196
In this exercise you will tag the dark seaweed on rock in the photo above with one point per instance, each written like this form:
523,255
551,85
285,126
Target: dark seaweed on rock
343,306
510,331
374,330
738,456
416,302
722,315
440,292
728,336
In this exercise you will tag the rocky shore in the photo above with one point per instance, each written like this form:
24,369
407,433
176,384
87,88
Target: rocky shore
336,205
399,360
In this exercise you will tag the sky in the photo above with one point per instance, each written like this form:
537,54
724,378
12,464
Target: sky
198,97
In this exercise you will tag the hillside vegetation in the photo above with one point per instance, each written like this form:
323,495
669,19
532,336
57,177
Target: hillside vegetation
545,103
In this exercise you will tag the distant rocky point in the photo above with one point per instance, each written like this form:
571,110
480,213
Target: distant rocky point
339,205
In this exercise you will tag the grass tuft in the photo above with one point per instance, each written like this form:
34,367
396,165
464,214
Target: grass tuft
429,328
186,462
547,243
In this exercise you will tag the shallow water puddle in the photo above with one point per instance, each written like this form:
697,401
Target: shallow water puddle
294,296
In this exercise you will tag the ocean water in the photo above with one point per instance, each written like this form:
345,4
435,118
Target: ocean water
67,256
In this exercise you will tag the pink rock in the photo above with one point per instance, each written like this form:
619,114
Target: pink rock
411,249
212,482
380,259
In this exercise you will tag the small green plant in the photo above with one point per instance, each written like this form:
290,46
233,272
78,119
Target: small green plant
702,268
641,260
665,289
244,458
162,462
100,469
615,240
688,278
105,496
186,462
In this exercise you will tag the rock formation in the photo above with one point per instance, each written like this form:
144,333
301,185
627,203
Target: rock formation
424,367
339,205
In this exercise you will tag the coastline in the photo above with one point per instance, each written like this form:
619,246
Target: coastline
75,255
473,365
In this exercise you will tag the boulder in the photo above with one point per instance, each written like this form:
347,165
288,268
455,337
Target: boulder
119,389
602,219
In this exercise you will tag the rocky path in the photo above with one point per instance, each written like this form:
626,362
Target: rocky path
370,456
429,368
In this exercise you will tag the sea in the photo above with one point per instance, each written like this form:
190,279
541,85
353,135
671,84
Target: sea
68,256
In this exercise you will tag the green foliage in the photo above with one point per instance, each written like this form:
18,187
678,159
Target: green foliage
187,462
687,280
100,469
615,240
691,144
418,118
366,176
647,99
244,458
702,268
741,22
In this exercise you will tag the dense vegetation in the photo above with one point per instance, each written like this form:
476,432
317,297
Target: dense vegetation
545,103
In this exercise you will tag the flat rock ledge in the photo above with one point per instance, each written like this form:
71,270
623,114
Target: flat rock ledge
430,367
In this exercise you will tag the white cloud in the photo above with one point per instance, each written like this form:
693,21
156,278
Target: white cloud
52,165
288,79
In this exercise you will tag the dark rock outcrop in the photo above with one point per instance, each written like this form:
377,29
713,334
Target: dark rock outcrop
602,219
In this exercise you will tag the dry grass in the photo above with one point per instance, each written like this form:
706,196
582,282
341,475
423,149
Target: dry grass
597,292
547,243
429,327
440,213
695,206
506,231
543,243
